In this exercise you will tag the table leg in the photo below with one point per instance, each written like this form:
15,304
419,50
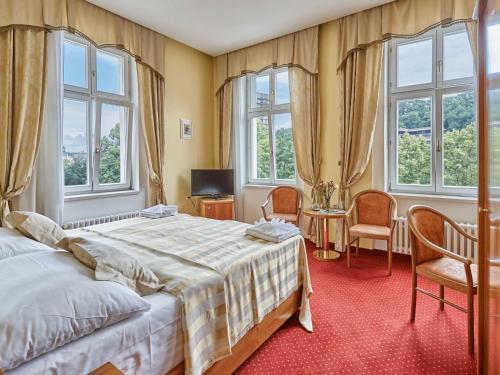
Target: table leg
326,254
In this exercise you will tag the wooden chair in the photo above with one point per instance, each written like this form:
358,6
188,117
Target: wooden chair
372,215
431,260
286,204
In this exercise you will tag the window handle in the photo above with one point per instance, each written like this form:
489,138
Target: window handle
98,148
438,146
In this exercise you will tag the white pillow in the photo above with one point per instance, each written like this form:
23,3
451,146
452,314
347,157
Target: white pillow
48,299
36,226
13,243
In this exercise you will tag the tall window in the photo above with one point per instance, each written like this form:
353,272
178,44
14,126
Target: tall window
432,137
97,117
271,158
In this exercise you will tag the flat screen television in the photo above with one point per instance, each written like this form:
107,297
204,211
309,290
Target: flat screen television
212,182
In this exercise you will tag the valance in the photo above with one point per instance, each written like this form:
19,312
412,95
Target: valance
397,19
101,27
299,49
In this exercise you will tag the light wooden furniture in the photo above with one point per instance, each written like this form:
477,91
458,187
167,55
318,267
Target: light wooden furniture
220,209
286,202
372,215
249,343
431,260
326,254
106,369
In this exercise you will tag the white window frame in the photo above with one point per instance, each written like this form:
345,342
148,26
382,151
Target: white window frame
267,111
436,90
95,99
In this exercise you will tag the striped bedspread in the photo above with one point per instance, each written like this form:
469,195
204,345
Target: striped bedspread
227,281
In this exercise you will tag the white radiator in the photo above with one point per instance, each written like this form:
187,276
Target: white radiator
100,220
453,240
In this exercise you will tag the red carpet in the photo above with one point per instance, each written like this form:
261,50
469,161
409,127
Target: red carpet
362,326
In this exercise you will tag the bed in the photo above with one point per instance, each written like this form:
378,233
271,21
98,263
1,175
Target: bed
240,288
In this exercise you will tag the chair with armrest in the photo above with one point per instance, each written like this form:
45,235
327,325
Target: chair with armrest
372,215
432,261
286,203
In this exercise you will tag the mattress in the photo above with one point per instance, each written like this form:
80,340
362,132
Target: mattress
150,343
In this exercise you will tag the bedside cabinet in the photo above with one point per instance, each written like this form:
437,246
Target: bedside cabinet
220,209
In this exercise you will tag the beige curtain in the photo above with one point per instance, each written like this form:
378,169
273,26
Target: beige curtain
225,123
360,80
472,34
22,87
151,102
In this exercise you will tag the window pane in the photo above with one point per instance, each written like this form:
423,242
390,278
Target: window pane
261,150
282,95
113,154
259,91
414,63
457,56
494,134
75,64
110,73
75,142
414,127
493,49
283,147
459,140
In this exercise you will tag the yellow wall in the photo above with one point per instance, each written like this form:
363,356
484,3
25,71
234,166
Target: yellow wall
188,95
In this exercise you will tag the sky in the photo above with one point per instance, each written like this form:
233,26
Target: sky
109,79
282,88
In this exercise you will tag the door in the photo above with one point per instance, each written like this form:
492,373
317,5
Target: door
489,186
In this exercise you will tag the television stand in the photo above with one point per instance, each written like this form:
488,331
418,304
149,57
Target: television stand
221,208
217,196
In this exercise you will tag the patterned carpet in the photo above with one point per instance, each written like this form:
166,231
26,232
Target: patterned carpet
361,326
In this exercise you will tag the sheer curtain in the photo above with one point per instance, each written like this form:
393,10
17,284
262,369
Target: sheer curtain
238,160
45,193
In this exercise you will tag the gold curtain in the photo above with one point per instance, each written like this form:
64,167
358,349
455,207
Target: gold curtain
101,27
472,34
225,117
360,83
22,88
299,49
398,18
304,107
152,92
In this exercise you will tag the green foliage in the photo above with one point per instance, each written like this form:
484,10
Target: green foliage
460,157
75,168
285,154
414,160
458,111
414,113
263,150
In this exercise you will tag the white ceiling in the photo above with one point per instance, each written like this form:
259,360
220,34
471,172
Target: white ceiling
219,26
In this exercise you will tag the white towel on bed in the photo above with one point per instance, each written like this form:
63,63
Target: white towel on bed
159,211
273,231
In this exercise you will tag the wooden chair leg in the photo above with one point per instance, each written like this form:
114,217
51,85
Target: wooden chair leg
389,257
413,295
349,251
441,295
470,320
357,246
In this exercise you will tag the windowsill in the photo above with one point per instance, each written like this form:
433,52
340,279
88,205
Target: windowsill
266,186
448,198
107,194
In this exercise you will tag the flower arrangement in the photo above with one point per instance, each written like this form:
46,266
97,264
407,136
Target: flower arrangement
322,194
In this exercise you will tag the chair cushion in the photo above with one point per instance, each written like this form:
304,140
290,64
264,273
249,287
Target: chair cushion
286,217
285,200
370,231
374,208
448,272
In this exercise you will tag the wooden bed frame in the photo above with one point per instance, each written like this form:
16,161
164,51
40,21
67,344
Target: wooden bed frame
244,348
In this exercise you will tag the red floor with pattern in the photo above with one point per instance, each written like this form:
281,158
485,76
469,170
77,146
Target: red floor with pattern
361,326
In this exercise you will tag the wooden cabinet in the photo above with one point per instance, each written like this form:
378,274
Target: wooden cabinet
220,209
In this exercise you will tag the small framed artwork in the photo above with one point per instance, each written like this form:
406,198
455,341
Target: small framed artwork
186,129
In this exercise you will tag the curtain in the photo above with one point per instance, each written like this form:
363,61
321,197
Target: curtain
225,122
151,108
45,193
472,34
22,88
360,80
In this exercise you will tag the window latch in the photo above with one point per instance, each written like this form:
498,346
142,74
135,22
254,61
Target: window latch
438,146
98,148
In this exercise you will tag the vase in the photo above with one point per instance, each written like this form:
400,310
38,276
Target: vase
326,203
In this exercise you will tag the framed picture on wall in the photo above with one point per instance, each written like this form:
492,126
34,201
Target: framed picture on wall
186,129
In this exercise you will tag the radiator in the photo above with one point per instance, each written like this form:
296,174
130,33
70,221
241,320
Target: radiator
100,220
453,240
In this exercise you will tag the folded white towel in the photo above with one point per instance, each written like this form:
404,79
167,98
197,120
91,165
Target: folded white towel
159,211
273,231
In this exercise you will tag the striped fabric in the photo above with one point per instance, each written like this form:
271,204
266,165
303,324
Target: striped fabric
227,281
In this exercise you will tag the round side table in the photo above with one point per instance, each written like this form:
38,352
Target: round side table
326,254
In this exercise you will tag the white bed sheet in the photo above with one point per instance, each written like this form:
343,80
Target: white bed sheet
150,343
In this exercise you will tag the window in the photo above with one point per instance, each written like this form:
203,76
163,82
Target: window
493,71
97,114
271,158
432,122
